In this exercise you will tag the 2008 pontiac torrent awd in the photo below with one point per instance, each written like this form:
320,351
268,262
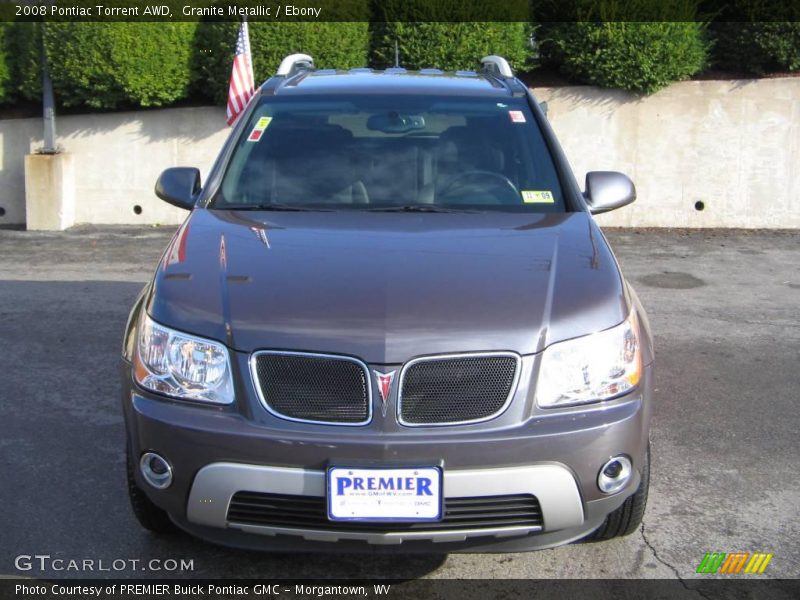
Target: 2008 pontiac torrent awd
389,321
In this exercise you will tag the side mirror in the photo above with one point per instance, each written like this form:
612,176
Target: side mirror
608,190
179,186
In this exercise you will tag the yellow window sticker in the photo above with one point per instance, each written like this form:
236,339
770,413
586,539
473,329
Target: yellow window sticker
263,123
537,197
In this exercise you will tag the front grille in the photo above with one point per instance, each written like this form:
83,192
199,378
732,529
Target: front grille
310,512
313,388
457,389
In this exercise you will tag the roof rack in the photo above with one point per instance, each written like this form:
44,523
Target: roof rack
497,66
293,63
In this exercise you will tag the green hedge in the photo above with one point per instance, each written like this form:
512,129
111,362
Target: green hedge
24,44
126,65
640,57
450,46
450,34
333,45
113,65
20,57
755,37
758,47
5,68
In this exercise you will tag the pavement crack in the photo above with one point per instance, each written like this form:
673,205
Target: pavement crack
658,558
671,567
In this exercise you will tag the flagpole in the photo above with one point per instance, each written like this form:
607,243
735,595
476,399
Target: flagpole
48,104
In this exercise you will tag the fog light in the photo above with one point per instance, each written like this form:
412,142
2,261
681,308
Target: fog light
156,470
614,474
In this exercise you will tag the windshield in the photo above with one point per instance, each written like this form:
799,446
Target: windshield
391,153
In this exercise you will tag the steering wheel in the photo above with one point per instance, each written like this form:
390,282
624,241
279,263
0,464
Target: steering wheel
479,178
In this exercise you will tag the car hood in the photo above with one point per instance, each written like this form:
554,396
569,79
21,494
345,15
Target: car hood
386,287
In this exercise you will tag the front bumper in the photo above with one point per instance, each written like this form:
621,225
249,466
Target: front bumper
553,485
216,452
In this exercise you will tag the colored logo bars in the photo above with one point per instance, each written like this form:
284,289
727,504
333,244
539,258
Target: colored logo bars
732,563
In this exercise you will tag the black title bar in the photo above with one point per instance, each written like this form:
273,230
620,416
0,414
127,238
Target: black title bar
409,11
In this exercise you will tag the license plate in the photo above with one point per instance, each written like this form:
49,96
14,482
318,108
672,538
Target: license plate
385,494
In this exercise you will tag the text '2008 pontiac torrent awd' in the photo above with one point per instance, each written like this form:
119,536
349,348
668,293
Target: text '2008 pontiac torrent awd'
389,321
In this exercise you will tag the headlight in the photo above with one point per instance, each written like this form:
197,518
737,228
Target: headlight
181,365
596,367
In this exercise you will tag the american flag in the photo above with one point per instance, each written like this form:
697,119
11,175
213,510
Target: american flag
242,86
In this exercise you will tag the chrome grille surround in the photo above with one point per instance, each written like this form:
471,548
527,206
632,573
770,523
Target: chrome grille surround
507,397
366,382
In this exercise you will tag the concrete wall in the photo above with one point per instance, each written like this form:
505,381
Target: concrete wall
732,145
117,157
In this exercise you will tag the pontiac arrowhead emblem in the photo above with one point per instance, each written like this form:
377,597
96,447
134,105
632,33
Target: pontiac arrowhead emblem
384,381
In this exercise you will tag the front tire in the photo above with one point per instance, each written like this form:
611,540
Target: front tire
628,517
150,516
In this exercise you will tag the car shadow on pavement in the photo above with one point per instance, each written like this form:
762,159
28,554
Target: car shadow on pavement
212,561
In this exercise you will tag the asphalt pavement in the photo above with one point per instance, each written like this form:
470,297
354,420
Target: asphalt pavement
725,310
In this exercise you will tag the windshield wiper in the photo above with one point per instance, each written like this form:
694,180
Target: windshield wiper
426,208
274,206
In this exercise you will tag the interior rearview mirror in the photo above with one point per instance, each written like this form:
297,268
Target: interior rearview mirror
393,122
608,190
179,186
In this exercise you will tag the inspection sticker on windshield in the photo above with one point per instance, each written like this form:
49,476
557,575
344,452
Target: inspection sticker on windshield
517,116
259,128
384,494
537,197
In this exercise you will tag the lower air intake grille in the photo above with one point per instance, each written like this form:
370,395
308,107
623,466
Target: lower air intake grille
310,512
314,388
452,390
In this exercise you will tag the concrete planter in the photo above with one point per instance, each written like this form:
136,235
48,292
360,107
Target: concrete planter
49,191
